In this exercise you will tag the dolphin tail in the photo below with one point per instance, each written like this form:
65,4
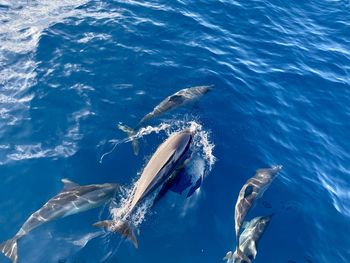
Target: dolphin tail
9,249
123,228
147,117
131,134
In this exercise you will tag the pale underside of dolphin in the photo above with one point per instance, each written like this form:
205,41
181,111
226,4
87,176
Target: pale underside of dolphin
253,231
169,103
161,168
71,200
252,190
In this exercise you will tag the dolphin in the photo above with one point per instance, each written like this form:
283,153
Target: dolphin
253,189
253,231
71,200
160,170
171,102
175,100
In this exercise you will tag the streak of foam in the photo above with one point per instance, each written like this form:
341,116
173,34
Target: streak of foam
141,133
201,138
68,146
338,191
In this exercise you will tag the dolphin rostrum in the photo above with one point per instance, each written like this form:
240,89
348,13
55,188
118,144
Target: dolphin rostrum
71,200
253,230
173,101
253,189
160,170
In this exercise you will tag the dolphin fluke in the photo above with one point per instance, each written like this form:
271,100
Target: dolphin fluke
132,135
9,248
121,227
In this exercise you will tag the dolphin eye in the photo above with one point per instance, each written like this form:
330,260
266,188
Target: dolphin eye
248,191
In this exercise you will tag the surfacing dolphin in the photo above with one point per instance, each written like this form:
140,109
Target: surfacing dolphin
71,200
253,230
173,101
161,170
253,189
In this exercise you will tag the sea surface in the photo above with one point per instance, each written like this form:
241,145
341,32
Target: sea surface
71,71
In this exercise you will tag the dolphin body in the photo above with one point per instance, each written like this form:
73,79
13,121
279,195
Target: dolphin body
71,200
161,170
173,101
253,189
253,230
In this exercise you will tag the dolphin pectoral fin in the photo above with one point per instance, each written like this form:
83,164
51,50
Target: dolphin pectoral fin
131,134
9,249
123,228
228,256
68,184
195,187
168,186
252,249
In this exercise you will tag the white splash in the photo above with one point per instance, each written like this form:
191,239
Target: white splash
200,166
120,211
201,137
141,133
201,141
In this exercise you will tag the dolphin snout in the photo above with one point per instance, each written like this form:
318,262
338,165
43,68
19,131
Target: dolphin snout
277,168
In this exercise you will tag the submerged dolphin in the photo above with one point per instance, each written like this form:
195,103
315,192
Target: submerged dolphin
71,200
253,230
161,169
253,189
173,101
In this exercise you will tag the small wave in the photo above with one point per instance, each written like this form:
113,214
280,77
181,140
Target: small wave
66,147
93,36
19,37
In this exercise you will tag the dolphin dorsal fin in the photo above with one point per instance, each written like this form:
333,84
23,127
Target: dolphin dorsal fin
262,170
245,224
68,184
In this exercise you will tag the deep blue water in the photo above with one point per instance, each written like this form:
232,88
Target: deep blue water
71,70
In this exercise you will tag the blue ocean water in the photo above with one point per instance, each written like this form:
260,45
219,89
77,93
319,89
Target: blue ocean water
70,71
